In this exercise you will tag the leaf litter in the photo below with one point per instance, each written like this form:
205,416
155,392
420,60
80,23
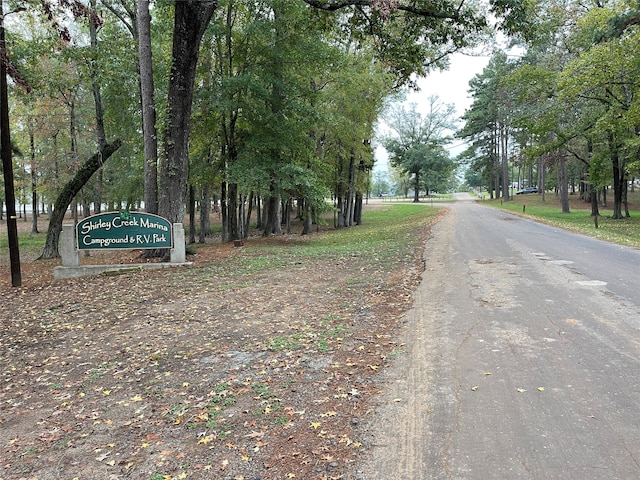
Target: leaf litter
198,372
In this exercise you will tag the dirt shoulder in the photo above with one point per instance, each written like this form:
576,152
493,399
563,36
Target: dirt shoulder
197,372
397,432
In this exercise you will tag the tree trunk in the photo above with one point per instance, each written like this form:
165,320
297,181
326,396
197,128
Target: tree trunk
542,174
240,219
69,192
247,220
351,190
205,211
339,220
231,220
149,132
7,166
286,216
101,136
416,188
307,220
563,183
357,214
618,177
625,190
34,180
594,201
272,224
190,21
505,163
223,211
192,214
495,156
259,207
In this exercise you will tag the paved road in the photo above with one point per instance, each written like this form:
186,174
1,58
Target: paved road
522,358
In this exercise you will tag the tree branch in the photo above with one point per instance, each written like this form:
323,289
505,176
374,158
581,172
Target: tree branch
332,6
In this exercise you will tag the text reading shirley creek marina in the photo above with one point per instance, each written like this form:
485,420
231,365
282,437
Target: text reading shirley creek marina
124,231
117,222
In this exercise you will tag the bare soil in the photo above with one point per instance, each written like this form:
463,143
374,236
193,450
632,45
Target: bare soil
197,372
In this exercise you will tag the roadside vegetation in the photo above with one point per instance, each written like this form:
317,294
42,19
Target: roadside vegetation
625,231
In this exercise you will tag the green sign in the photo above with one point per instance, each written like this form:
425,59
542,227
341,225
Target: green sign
124,230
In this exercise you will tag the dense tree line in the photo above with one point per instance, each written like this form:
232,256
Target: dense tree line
257,107
563,115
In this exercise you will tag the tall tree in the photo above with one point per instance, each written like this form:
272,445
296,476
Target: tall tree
416,142
448,25
7,162
191,18
147,97
609,90
488,125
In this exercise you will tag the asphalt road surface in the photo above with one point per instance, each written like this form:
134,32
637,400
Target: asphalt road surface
521,358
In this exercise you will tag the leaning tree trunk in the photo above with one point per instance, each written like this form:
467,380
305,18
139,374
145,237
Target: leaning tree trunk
191,18
68,193
247,219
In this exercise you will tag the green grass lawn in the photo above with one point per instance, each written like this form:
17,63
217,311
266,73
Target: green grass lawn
623,232
387,235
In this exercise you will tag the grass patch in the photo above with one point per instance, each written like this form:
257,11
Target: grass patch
388,236
285,343
435,198
625,231
387,233
31,244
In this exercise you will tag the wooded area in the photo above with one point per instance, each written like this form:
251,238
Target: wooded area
266,110
253,107
562,115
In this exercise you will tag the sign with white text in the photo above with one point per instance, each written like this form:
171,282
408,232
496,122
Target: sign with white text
124,230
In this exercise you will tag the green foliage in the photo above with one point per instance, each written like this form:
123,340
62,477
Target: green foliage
416,145
285,93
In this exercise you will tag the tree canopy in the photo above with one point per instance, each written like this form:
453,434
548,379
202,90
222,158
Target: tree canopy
259,104
416,144
574,103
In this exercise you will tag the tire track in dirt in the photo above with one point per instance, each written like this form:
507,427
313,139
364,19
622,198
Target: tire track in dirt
399,432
